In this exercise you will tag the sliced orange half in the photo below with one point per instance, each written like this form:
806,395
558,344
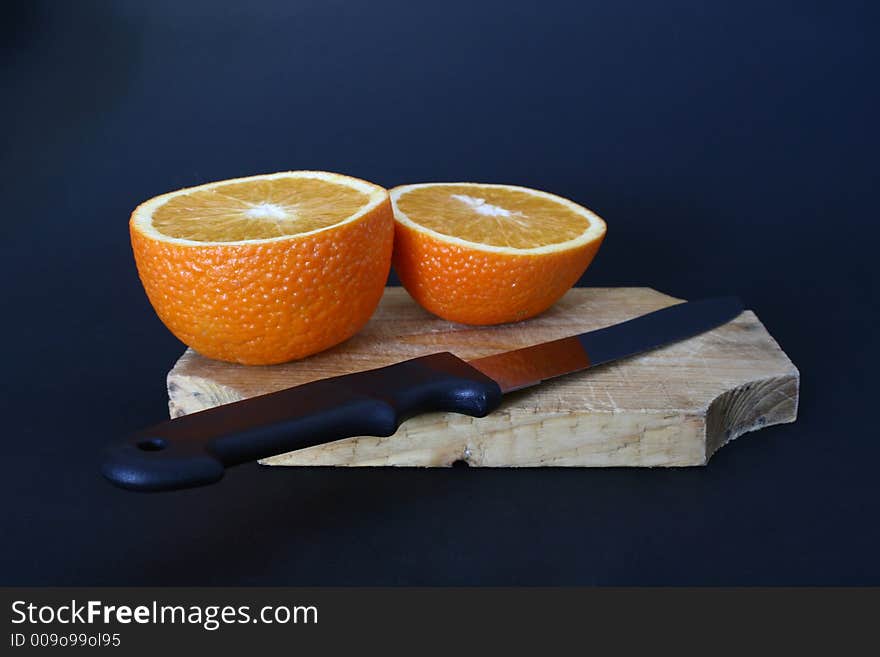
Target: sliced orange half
265,269
488,254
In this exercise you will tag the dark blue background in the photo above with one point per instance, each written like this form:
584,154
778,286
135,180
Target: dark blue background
730,146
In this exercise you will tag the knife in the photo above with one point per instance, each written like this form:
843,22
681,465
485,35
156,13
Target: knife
195,449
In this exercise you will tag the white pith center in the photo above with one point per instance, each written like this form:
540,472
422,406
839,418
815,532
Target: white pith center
480,206
266,211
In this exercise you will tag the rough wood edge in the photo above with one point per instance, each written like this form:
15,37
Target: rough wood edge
642,444
723,426
750,407
183,400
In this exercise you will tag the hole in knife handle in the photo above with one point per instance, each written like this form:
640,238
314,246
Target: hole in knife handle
152,444
460,463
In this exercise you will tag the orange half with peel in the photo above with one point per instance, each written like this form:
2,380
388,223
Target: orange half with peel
265,269
489,254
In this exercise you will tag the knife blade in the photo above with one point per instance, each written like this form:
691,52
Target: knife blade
195,449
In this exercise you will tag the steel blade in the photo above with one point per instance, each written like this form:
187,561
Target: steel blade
521,368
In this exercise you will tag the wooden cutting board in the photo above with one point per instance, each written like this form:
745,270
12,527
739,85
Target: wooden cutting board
674,406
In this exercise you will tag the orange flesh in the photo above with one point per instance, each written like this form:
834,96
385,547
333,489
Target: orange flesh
494,216
260,209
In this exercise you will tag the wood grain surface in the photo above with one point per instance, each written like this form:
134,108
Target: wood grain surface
673,406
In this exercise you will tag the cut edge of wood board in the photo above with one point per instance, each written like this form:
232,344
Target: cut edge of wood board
772,400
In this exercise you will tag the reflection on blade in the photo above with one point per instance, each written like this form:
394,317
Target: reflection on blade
531,365
521,368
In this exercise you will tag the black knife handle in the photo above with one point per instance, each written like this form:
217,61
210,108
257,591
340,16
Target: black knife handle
194,450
